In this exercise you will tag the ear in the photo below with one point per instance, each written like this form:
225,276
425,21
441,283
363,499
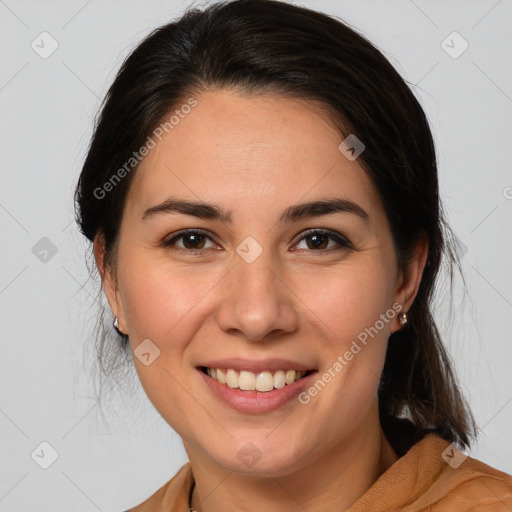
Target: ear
109,281
408,282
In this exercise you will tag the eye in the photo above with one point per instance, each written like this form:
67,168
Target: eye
193,240
319,240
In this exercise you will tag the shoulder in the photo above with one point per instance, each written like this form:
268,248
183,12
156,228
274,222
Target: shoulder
465,483
173,495
433,476
450,480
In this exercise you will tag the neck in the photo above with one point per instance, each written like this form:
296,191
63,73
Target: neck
335,480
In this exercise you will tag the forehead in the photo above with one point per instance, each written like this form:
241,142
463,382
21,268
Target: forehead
259,151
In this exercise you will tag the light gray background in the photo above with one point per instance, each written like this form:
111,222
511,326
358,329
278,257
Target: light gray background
46,309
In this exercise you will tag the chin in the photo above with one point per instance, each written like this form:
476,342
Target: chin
258,458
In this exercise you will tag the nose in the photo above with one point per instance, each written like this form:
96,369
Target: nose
257,303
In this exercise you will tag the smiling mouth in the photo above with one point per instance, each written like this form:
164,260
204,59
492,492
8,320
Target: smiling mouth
249,381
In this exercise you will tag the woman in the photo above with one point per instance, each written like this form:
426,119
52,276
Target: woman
261,193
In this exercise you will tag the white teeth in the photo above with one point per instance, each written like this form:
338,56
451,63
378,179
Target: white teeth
264,382
232,379
220,377
290,376
279,379
249,381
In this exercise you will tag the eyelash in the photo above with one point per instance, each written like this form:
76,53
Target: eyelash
341,240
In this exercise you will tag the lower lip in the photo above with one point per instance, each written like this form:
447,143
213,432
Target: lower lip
256,401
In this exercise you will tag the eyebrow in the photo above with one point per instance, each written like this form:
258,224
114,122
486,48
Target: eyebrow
293,213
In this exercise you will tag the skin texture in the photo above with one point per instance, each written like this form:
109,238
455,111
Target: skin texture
256,156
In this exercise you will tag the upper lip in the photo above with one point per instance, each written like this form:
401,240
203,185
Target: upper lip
251,365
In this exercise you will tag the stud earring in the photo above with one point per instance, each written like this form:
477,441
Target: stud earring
116,325
402,318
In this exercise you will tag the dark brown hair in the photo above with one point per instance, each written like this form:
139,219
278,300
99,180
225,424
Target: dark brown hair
272,47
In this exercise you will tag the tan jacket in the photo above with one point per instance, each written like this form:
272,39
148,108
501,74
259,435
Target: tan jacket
420,481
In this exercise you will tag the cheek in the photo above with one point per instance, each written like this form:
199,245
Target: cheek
165,305
348,301
350,304
159,299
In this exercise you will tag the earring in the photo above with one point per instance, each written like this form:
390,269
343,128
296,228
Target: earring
116,325
402,318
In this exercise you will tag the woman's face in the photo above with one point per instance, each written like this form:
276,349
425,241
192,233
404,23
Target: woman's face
257,289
